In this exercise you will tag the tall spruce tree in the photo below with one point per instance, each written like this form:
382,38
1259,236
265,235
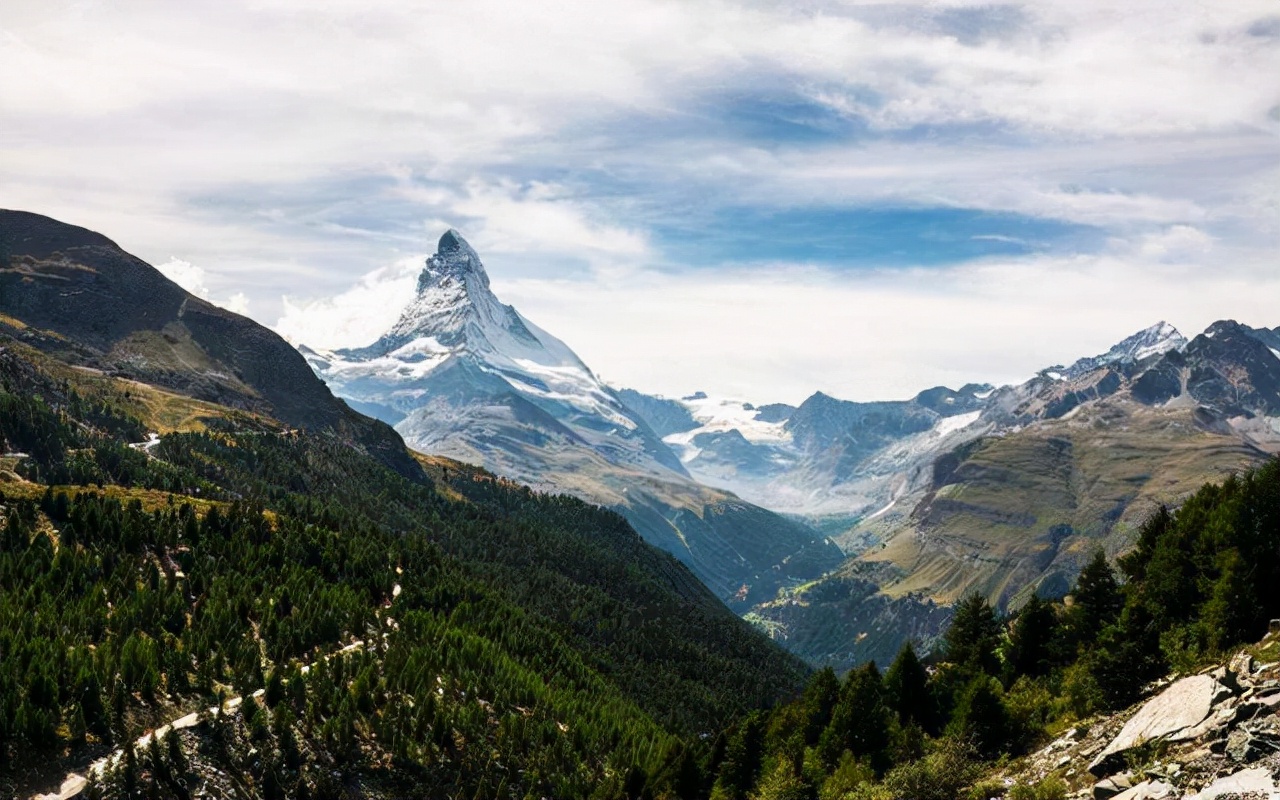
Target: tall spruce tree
973,639
906,687
860,721
1096,600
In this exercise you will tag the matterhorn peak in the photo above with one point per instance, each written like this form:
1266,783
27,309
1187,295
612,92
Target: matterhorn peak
454,261
451,241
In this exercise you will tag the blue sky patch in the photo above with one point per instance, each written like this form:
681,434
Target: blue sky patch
868,237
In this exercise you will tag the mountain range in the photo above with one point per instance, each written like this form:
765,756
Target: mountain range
841,528
1003,491
189,516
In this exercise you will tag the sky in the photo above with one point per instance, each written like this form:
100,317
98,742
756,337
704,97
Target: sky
758,200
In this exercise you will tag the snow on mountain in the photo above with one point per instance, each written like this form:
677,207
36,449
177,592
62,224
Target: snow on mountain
947,425
828,456
832,456
718,417
454,315
1156,340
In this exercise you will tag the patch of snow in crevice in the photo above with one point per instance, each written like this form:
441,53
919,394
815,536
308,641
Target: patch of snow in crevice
719,415
952,424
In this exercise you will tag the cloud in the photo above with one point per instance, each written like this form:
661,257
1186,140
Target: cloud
192,278
1178,243
354,317
292,149
781,334
541,217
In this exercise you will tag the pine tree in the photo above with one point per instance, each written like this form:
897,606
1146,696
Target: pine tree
980,715
782,783
907,689
1096,600
1031,639
820,698
741,760
973,639
860,721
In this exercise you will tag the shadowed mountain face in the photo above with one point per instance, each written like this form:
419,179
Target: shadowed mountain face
75,293
461,374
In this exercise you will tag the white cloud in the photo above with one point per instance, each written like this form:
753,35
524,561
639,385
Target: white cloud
541,217
780,334
290,147
354,317
192,278
1176,243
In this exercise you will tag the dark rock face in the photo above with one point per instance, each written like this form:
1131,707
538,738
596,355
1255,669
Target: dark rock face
449,242
838,434
664,416
731,448
775,412
946,402
1161,383
107,309
1232,370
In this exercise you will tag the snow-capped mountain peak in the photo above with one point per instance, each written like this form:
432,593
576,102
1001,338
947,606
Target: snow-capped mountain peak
1155,340
455,322
454,309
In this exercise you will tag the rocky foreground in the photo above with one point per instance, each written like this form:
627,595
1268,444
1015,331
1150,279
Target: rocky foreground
1211,735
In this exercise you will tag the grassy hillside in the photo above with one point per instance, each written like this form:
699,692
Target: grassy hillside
1198,583
1005,516
1016,511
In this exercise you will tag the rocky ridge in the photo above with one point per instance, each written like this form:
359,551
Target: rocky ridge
1215,734
1011,494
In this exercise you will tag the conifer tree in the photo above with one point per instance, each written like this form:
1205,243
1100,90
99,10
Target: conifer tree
1031,638
980,716
860,720
1096,597
820,698
973,639
907,689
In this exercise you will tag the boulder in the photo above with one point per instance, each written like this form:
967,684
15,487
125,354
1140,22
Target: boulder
1183,706
1246,746
1108,788
1148,790
1255,782
1241,664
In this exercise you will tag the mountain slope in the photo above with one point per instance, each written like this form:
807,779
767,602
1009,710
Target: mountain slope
1002,491
462,375
75,293
1068,462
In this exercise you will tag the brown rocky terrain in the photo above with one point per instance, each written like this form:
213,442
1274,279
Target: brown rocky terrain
1214,734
